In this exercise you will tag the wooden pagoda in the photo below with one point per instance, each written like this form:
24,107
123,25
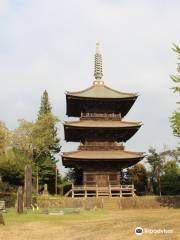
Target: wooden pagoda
101,132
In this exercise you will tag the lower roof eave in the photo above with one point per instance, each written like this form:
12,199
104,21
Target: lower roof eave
66,159
103,155
99,164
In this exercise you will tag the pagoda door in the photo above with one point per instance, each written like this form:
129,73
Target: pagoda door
102,180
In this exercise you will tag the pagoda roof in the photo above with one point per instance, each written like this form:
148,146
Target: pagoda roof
101,91
102,124
103,155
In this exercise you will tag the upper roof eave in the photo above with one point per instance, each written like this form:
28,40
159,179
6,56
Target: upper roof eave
101,91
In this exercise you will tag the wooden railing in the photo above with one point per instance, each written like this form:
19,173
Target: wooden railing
95,190
93,146
105,116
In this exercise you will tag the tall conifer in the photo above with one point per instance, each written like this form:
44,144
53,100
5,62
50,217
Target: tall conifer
45,106
46,136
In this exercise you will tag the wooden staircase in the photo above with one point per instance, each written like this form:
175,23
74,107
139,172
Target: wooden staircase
103,191
110,203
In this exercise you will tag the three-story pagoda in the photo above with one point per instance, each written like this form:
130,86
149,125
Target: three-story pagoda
100,130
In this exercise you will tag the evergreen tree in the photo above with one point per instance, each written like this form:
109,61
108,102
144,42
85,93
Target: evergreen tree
45,135
45,106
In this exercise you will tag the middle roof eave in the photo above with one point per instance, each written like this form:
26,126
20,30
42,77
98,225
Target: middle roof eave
118,154
102,123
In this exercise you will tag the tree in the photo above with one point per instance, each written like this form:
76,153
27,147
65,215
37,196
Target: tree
45,104
12,158
171,168
4,137
22,138
164,170
12,165
176,77
155,161
36,143
39,142
75,175
171,178
40,137
46,137
175,119
138,175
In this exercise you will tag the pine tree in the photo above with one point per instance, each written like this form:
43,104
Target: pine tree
46,124
45,135
45,104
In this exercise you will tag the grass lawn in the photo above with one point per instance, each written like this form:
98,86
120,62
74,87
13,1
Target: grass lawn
91,225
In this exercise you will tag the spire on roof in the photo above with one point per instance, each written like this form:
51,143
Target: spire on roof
98,67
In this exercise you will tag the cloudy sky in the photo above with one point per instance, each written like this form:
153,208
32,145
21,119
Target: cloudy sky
50,45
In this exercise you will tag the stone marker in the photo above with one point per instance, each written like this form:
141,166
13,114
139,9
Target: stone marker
28,186
20,200
45,191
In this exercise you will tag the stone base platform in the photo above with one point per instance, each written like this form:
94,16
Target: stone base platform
114,203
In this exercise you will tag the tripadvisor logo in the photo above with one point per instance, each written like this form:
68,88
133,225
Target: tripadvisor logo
139,231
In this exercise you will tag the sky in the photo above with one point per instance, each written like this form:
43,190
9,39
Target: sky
51,45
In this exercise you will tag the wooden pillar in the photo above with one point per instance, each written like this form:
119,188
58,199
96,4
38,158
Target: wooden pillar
120,193
85,189
20,200
110,193
84,178
102,203
96,190
133,190
72,190
28,186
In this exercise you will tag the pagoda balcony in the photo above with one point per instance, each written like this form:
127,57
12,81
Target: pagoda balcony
97,191
100,146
